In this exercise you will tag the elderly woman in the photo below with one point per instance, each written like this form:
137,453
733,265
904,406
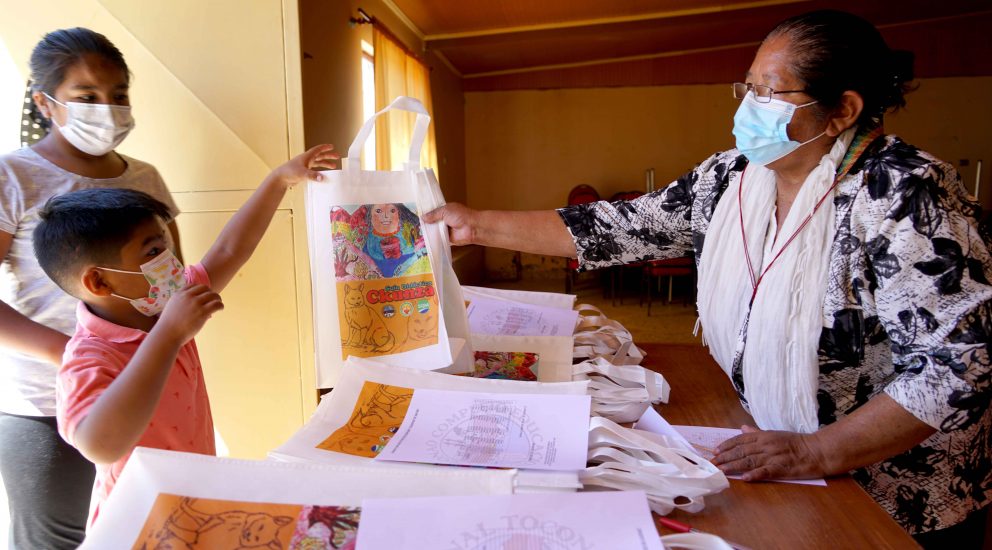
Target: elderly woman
843,282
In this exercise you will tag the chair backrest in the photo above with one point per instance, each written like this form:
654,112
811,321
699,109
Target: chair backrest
582,193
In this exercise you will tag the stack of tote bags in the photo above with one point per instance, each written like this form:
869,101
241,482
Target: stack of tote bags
390,322
391,276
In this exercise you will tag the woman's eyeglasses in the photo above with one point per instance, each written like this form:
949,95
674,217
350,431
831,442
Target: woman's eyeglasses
763,94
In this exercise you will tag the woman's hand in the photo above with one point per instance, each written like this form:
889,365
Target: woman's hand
461,219
535,231
758,455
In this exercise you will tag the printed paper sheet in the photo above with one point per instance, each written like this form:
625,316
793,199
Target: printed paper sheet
489,316
542,432
558,521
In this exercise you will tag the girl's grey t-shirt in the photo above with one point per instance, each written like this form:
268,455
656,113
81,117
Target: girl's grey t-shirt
27,181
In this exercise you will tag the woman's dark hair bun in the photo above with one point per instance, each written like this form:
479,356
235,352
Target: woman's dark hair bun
835,51
901,63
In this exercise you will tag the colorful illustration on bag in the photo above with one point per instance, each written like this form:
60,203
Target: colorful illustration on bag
378,414
178,522
377,241
381,268
506,365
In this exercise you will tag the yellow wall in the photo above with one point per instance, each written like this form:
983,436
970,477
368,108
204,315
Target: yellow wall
527,149
217,106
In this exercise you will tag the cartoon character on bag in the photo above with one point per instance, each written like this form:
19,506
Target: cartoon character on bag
376,241
395,243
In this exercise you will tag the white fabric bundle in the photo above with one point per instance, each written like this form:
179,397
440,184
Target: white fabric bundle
599,336
695,541
672,476
621,392
783,325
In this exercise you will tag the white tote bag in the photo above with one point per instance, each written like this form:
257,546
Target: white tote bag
354,421
383,284
167,499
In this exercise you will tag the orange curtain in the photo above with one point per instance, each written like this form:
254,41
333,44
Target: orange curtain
399,73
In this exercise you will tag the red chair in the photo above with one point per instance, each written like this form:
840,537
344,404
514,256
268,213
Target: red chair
675,267
580,194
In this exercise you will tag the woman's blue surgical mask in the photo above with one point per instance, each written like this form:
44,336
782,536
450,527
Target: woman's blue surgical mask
760,129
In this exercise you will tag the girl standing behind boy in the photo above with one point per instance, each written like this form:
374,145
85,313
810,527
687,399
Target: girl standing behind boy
80,85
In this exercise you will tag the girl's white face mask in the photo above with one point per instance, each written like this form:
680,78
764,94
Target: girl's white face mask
94,128
165,275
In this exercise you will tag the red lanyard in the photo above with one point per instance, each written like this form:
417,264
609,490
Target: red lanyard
747,255
862,140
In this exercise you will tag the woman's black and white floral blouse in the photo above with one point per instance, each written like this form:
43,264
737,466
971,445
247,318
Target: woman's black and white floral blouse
908,309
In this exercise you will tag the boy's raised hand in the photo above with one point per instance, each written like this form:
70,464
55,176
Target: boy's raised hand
187,311
243,232
305,165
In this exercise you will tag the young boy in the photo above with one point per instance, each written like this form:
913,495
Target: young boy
131,373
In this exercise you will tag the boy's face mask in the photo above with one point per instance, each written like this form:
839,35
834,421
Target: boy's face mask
94,128
165,275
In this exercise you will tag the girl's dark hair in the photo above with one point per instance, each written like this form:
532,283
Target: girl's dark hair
834,51
59,50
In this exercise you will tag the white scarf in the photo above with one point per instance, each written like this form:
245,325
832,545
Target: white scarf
780,365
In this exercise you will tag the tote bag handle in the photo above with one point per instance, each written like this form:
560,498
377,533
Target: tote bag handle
401,103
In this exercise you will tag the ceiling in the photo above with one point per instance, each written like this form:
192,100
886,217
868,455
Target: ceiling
514,44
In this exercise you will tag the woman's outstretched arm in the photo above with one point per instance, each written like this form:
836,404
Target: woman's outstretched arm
534,231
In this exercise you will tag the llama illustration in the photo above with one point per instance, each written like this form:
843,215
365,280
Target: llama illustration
421,330
366,330
190,529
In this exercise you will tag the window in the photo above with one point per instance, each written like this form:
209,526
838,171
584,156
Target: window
368,102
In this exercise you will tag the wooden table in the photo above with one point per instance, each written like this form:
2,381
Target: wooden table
761,514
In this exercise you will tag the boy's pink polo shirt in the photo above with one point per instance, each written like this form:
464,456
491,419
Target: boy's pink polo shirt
97,354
